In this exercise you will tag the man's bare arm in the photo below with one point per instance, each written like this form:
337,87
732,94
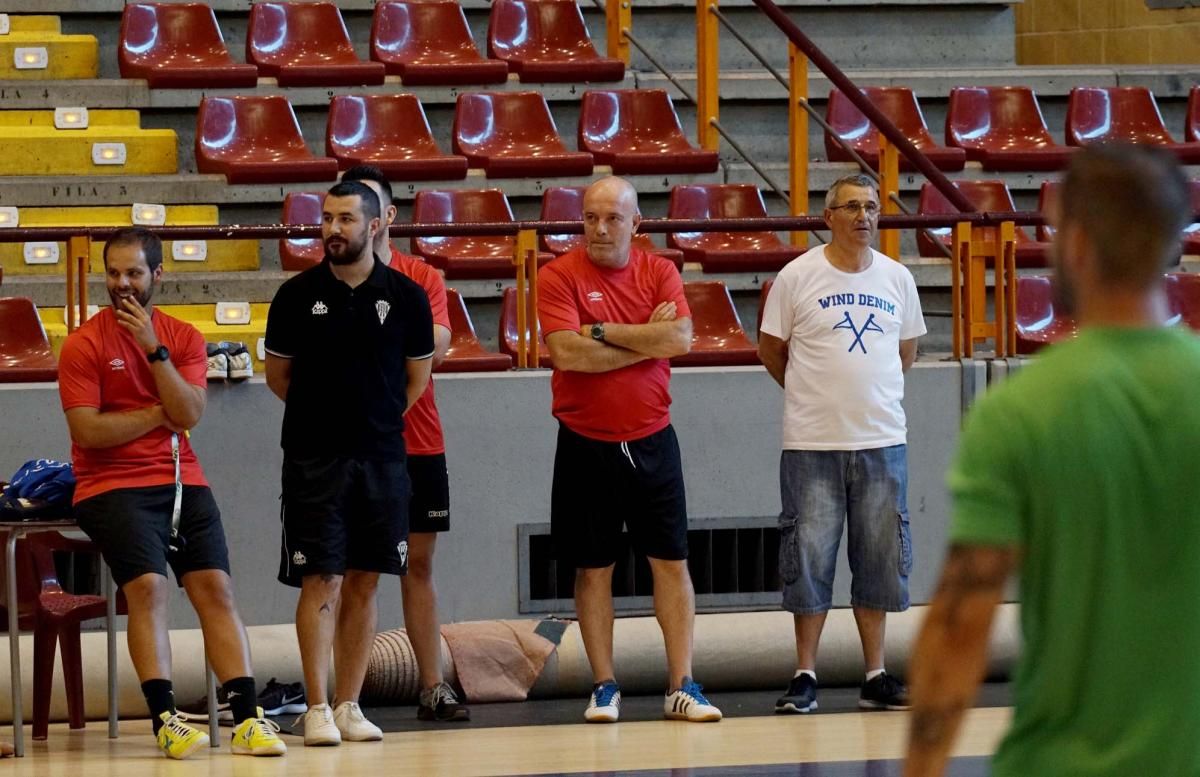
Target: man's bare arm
655,339
279,375
908,353
950,654
574,353
774,355
91,428
441,344
418,371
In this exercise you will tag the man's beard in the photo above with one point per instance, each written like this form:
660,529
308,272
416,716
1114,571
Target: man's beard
143,299
349,255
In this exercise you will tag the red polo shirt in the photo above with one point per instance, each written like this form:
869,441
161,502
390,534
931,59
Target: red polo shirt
422,425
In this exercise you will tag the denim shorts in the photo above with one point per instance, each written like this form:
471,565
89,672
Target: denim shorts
866,491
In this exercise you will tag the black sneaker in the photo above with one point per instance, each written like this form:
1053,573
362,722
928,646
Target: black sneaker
439,703
801,695
197,711
883,693
282,699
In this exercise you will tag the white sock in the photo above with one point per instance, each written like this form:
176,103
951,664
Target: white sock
871,675
808,672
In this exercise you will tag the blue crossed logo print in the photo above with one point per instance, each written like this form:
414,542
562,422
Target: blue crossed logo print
869,326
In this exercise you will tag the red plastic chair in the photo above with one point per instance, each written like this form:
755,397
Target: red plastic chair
306,44
1121,113
391,132
637,132
429,43
726,251
1183,298
471,256
508,330
1002,128
1191,128
1038,325
301,253
991,196
1191,233
25,355
512,135
178,46
547,40
466,353
565,203
256,140
718,338
54,616
900,105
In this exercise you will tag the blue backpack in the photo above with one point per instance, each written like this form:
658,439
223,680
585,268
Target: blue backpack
41,488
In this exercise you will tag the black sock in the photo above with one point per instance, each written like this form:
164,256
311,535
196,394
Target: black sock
160,698
243,701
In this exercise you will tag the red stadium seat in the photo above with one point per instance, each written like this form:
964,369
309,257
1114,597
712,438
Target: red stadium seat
900,105
726,251
302,253
256,140
508,330
1191,128
472,256
466,354
547,40
178,46
1002,128
512,135
565,203
1183,298
1191,233
637,132
1038,325
718,338
306,44
991,196
1125,113
429,44
25,354
391,132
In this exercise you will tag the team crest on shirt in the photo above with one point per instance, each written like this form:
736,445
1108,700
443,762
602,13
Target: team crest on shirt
595,296
381,308
868,326
319,309
117,364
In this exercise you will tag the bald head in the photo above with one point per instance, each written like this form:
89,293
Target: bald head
610,219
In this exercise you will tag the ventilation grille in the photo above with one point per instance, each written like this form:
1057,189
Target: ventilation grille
733,562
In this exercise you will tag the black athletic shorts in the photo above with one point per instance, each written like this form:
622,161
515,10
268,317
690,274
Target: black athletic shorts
601,486
429,509
341,514
132,526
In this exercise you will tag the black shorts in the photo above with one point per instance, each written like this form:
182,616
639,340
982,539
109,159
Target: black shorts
341,514
601,486
132,526
429,508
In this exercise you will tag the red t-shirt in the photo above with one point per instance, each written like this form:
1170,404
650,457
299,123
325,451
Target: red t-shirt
422,426
634,401
101,366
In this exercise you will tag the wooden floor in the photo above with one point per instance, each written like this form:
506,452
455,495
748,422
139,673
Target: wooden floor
528,750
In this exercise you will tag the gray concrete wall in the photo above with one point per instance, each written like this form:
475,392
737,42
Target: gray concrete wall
500,441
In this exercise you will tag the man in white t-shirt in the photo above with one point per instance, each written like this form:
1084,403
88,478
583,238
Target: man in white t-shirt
839,330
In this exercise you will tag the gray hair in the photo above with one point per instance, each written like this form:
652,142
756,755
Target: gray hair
857,179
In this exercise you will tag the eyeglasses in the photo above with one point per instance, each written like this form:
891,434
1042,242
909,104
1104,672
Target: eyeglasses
852,207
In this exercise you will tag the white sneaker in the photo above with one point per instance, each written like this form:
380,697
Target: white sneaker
319,728
240,364
353,725
688,703
605,704
218,363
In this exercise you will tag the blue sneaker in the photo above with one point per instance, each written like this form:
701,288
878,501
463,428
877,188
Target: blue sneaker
605,704
688,703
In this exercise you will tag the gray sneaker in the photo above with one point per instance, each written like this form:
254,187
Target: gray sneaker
441,704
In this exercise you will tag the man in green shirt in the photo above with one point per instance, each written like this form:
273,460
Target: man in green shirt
1080,473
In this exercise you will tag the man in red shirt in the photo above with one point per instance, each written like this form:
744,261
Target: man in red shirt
612,316
429,509
132,382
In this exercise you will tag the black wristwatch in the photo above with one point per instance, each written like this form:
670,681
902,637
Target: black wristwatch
598,331
159,354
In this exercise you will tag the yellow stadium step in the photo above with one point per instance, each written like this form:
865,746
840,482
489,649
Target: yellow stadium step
203,317
34,48
113,143
178,256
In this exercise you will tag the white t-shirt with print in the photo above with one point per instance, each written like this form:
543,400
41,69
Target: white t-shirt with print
843,383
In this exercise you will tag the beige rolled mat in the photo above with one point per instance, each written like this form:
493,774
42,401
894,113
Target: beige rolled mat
747,650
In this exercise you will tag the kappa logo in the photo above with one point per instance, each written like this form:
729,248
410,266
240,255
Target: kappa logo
382,307
299,559
595,296
868,326
319,309
402,549
117,364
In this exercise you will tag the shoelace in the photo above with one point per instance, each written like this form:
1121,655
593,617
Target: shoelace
441,693
695,690
175,725
603,695
266,727
324,712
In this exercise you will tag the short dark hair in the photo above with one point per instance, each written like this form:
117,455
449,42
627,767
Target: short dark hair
370,202
150,243
1132,203
371,173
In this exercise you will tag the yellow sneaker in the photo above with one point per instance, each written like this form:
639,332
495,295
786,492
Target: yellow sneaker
177,739
256,736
